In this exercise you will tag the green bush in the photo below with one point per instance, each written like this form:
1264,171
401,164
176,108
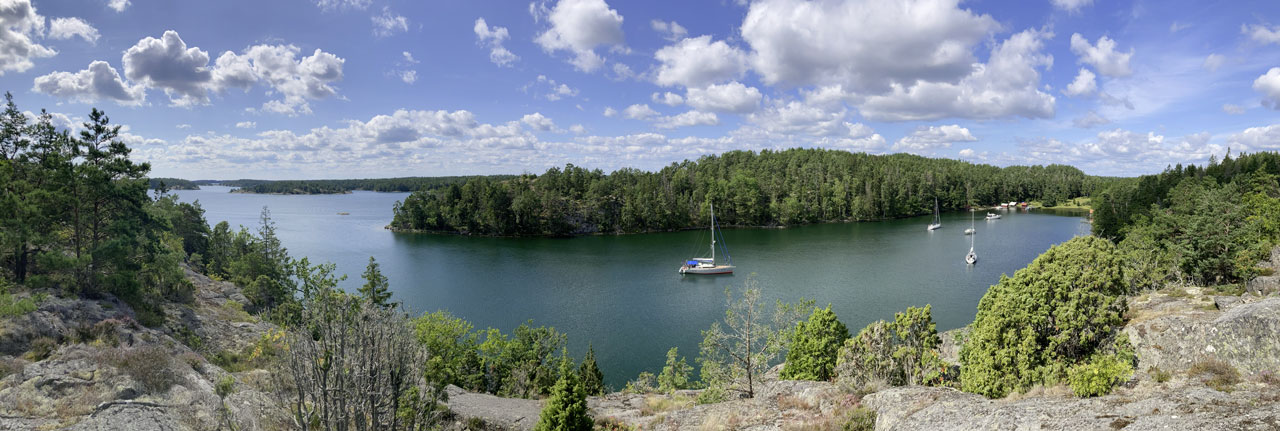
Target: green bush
643,384
896,353
150,365
1060,310
1098,376
712,395
225,386
814,347
566,410
11,305
675,374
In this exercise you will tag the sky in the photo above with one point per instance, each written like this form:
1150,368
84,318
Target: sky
296,89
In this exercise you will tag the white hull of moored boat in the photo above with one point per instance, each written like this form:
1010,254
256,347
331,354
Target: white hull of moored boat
718,269
935,226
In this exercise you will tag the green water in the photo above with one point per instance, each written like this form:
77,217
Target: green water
622,293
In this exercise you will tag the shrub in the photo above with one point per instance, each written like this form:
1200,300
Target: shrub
675,374
901,352
1098,376
1063,308
712,395
566,410
814,347
10,366
41,348
150,365
612,424
225,385
860,419
11,305
1159,375
1217,374
643,384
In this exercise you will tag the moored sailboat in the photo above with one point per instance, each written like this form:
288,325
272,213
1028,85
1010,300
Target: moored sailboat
707,265
937,221
972,257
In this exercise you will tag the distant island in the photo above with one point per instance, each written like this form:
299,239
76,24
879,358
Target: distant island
749,189
171,184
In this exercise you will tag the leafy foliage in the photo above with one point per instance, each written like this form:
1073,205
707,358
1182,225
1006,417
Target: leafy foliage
1097,376
901,352
749,189
311,187
1059,311
814,347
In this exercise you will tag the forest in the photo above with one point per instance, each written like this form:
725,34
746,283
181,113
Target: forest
1194,224
769,188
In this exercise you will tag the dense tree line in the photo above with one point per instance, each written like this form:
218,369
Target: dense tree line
747,188
167,184
312,187
1206,225
75,215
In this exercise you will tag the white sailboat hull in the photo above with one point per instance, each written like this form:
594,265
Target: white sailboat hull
971,259
935,226
717,269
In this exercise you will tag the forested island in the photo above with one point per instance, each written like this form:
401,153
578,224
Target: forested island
312,187
769,188
171,184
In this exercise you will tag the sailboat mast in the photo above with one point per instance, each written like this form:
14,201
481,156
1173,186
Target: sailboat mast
713,233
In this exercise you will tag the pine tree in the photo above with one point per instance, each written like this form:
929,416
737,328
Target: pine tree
675,374
375,288
566,410
589,372
814,347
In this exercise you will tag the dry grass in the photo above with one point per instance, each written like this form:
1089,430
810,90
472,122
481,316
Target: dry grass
792,402
150,365
1217,374
40,349
9,365
720,422
1159,375
661,403
1042,391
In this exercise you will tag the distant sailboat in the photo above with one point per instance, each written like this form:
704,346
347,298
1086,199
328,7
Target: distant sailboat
972,257
971,228
937,220
992,216
707,265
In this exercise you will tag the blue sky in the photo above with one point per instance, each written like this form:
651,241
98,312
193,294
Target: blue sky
376,88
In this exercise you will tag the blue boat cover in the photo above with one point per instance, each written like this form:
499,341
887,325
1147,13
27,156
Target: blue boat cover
692,262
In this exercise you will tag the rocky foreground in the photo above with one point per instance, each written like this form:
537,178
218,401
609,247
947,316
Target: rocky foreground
1176,333
88,365
1207,360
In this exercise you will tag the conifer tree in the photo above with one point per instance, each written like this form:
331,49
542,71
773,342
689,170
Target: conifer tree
566,410
675,374
589,372
814,347
375,288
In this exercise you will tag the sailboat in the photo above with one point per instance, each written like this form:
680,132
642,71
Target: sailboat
707,265
971,228
972,257
937,220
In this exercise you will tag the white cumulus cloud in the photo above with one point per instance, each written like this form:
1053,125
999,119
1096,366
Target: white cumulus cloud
66,28
99,81
1103,55
579,26
667,98
687,119
167,63
1072,6
670,31
1213,62
118,5
539,122
19,24
1085,84
1261,33
927,139
493,37
696,62
246,125
1269,85
732,97
637,112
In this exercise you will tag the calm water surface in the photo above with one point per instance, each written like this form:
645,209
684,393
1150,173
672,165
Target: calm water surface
622,293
